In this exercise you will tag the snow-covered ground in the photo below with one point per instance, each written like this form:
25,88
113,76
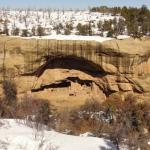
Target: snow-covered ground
49,19
71,37
121,37
16,135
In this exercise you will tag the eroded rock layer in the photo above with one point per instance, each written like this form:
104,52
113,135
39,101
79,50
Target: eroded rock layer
70,72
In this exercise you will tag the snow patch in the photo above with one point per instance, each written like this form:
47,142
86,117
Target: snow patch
16,135
71,38
121,37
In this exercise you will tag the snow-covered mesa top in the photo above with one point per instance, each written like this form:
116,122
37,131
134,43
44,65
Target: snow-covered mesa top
26,19
16,135
71,37
50,19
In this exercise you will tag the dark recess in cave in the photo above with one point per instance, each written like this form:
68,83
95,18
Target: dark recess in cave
60,84
64,83
81,82
69,62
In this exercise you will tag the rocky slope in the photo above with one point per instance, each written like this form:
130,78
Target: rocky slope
69,72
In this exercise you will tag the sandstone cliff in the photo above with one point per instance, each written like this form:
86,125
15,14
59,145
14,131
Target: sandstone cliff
69,72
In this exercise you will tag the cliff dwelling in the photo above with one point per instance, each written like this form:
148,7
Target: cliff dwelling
67,73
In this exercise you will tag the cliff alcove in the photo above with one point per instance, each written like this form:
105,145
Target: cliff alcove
74,71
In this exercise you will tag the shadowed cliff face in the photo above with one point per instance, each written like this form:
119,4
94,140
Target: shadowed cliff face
70,62
113,57
49,66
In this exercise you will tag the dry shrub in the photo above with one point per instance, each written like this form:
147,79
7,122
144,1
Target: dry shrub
79,120
64,121
127,119
9,101
131,118
10,92
1,107
91,106
38,110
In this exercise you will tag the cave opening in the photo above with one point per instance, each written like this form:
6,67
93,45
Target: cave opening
80,81
60,84
70,62
66,83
